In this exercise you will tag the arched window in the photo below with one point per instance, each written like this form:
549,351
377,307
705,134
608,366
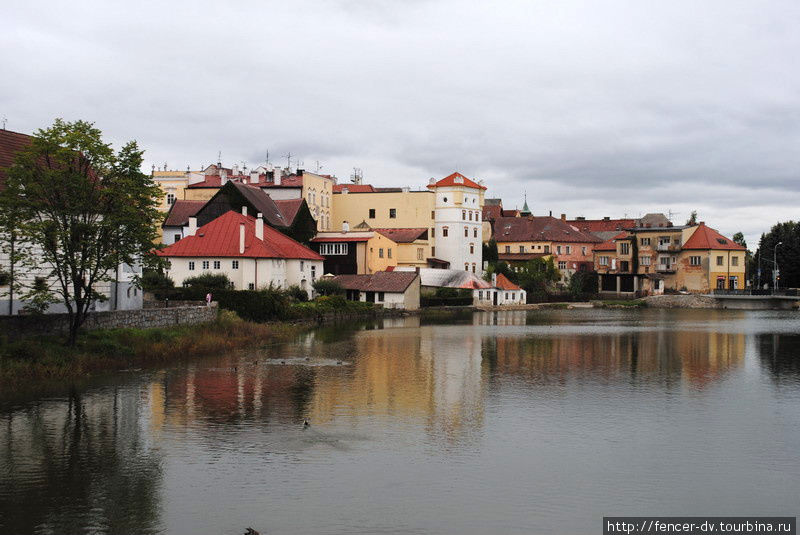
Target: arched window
475,233
464,215
471,248
444,232
466,232
466,266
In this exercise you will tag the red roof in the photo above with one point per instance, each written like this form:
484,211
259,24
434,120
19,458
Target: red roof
707,238
353,188
611,245
544,228
10,144
404,235
450,180
180,212
289,208
264,181
492,212
503,283
220,238
327,239
602,225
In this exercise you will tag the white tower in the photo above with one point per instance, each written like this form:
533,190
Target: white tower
457,220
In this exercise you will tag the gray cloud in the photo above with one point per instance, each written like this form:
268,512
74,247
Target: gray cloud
593,108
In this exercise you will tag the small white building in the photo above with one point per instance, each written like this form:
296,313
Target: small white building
508,293
251,254
392,289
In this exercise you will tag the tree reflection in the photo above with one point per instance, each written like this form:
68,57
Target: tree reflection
780,355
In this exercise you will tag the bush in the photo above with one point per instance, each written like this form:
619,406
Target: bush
328,287
5,278
297,293
156,280
209,281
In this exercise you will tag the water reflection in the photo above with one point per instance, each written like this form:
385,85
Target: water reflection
780,354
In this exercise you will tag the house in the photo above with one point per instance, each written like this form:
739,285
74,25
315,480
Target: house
542,236
508,293
382,207
431,279
413,246
355,253
121,293
176,223
250,253
392,289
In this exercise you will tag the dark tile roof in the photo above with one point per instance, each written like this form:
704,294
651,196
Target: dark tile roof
544,228
289,208
261,202
404,235
382,281
180,212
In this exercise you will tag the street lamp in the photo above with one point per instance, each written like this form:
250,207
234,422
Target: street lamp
775,266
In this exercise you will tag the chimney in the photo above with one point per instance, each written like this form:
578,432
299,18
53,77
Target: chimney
244,210
241,238
254,177
494,279
223,177
277,176
260,226
300,172
416,269
551,213
606,218
345,226
192,226
563,217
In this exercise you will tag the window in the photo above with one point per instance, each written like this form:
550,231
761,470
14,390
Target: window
329,249
562,264
625,248
302,265
558,249
602,260
444,232
420,253
645,241
624,265
251,286
170,199
205,264
392,213
473,267
433,251
433,214
372,213
470,216
734,261
433,232
191,266
471,248
177,237
474,233
645,260
464,215
547,249
569,249
508,248
694,260
480,295
466,232
445,200
216,264
235,264
583,251
381,296
389,252
466,266
720,260
380,252
313,272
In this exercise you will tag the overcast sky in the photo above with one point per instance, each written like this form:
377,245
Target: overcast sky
593,108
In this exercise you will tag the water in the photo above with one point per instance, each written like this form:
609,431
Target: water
512,422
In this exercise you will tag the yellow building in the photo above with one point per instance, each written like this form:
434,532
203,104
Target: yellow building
413,246
355,253
382,207
172,183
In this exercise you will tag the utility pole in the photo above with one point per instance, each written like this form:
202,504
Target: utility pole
775,270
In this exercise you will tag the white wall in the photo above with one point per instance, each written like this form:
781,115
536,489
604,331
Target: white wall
455,248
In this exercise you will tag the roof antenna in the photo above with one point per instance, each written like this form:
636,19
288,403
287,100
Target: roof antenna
288,160
267,158
4,120
319,167
219,159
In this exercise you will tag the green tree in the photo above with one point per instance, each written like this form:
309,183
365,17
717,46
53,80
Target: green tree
692,219
83,209
787,254
537,276
326,286
12,246
490,251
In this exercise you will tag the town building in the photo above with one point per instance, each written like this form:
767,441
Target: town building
508,293
355,253
245,249
172,184
458,222
392,289
483,293
354,204
413,245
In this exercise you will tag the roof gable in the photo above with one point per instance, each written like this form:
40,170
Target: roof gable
544,228
381,281
705,237
456,179
180,212
404,235
503,283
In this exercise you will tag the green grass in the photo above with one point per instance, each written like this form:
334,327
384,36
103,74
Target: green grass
630,303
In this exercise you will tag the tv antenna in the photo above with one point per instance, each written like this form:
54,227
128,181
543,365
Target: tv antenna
318,167
358,175
219,159
671,214
288,160
266,155
4,120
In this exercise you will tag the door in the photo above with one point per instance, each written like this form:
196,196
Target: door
370,297
494,298
720,283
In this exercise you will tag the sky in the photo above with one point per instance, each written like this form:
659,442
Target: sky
590,108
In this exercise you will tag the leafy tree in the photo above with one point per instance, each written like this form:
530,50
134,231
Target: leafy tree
692,219
582,284
739,238
326,286
82,209
537,275
153,280
490,254
749,264
297,293
788,254
209,281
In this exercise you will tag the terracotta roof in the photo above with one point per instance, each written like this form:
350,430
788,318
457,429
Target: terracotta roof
503,283
382,281
492,212
10,144
510,213
450,180
180,212
544,228
264,181
404,235
220,238
340,239
289,208
707,238
353,188
601,225
611,245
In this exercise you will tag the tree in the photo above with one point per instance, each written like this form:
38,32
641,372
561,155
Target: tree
749,264
83,209
787,254
490,251
692,221
537,275
12,246
327,286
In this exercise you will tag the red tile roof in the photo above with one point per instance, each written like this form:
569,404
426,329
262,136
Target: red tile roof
544,228
289,208
215,181
404,235
503,283
707,238
220,238
10,144
450,180
353,188
180,212
602,225
382,281
341,239
611,245
492,212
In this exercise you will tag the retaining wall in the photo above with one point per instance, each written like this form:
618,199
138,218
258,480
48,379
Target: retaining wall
18,326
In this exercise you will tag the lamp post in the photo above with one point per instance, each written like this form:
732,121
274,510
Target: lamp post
775,266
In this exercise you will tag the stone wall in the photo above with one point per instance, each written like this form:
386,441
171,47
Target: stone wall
681,301
19,326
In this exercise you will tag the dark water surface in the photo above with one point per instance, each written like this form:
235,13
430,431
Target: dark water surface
512,422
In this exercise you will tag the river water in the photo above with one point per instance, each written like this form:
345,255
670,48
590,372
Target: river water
492,423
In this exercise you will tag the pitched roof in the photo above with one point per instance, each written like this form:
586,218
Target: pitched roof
611,245
544,228
602,225
289,208
404,235
381,281
503,283
220,238
10,144
180,212
511,257
264,181
448,278
457,179
262,202
353,188
492,211
707,238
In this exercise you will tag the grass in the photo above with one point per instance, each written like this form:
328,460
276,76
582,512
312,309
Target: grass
48,357
617,303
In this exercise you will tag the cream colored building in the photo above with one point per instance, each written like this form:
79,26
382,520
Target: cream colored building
397,208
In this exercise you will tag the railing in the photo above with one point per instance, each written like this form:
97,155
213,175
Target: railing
668,247
665,268
791,292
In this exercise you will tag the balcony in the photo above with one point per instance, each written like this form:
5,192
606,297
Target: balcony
665,268
668,247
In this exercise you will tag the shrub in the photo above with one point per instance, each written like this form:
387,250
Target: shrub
297,293
5,278
328,287
156,280
209,281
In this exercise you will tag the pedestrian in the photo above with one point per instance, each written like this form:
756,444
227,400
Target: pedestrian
208,299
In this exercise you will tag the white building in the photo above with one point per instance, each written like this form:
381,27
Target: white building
508,293
251,254
457,222
392,289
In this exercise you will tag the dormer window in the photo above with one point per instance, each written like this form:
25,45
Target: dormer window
458,180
